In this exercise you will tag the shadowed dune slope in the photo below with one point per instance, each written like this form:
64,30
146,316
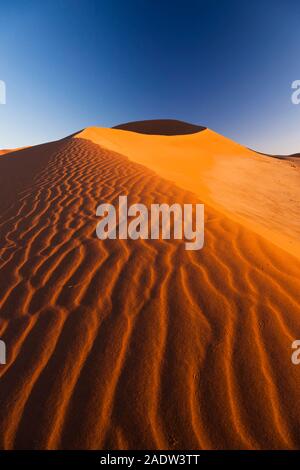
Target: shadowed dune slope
160,127
261,192
19,168
137,344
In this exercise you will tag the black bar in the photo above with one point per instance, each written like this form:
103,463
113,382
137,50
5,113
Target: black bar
144,458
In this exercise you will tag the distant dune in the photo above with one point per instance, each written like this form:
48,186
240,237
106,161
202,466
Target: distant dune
3,152
123,344
160,127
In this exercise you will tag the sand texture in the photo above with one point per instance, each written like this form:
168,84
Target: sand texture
123,344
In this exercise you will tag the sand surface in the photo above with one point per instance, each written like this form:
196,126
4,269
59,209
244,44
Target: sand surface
262,193
142,344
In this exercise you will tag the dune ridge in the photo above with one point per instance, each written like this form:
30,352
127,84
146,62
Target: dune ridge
260,192
161,127
128,344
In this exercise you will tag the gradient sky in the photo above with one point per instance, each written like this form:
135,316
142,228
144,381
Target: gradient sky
227,65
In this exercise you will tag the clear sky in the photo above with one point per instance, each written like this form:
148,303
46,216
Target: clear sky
228,65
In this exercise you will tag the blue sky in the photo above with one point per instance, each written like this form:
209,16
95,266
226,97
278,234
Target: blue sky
228,65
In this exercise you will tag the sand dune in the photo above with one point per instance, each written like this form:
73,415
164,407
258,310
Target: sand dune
161,127
3,152
258,191
141,344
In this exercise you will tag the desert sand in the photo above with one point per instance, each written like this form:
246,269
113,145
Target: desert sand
123,344
256,190
4,151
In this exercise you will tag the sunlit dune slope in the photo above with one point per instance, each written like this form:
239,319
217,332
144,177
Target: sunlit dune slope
261,192
124,344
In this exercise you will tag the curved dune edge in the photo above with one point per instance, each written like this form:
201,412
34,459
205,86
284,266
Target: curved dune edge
261,192
137,344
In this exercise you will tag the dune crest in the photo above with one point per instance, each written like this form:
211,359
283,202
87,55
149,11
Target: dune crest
160,127
261,192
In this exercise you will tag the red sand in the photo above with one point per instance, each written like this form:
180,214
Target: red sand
137,344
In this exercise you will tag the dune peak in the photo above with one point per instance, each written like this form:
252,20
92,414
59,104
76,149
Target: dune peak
160,127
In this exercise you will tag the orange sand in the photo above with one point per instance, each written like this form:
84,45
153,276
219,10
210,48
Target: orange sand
261,192
142,344
4,151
